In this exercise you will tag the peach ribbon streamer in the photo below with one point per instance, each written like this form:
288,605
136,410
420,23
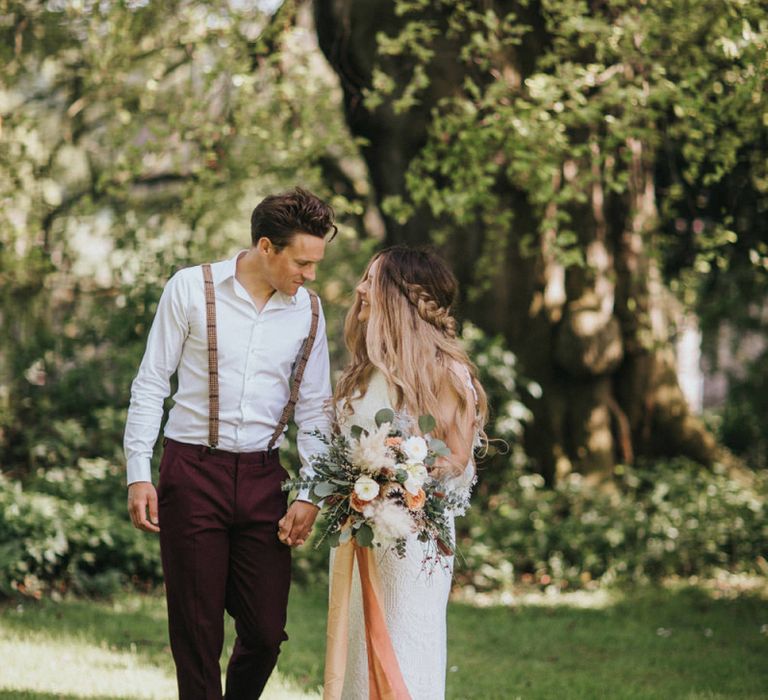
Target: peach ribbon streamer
385,681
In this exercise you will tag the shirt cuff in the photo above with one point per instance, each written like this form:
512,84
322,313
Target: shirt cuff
303,495
139,469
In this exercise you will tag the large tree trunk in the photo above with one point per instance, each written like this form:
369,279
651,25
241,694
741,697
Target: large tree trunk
595,338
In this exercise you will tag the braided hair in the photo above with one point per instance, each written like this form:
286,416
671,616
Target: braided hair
429,309
410,336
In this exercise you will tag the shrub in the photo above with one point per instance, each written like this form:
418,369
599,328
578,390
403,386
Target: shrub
663,519
61,532
67,529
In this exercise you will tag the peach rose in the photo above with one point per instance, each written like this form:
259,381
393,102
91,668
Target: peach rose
393,441
415,502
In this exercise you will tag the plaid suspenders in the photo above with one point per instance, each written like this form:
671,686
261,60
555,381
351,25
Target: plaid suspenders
298,372
213,359
213,364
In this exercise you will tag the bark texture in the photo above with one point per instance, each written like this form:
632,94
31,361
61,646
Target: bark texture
595,338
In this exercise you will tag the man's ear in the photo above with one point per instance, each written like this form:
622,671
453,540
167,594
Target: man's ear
264,245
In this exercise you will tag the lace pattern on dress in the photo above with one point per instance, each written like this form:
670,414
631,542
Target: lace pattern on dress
413,600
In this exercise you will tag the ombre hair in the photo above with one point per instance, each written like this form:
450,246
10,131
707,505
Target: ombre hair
410,336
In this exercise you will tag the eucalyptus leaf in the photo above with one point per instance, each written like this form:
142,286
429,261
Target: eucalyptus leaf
439,448
324,489
356,431
426,423
364,536
333,538
385,415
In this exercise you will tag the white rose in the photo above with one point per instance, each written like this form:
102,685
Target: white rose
416,448
366,488
412,486
417,475
416,470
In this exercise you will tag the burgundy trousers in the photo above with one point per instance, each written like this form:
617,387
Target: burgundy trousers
218,540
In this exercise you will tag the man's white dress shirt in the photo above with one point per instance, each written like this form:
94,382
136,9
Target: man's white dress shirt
257,351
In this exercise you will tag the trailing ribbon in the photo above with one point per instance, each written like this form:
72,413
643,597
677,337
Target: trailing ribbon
385,681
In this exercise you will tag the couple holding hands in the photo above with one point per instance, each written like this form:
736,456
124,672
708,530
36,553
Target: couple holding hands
248,344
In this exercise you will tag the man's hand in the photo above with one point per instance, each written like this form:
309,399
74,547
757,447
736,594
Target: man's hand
142,495
294,527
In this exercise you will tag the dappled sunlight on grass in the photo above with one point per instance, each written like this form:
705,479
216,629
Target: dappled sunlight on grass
650,644
42,663
86,649
595,599
725,586
39,665
642,644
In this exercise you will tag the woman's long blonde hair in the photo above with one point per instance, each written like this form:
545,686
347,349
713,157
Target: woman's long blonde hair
410,336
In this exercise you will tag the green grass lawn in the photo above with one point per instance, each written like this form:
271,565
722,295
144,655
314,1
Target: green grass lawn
651,644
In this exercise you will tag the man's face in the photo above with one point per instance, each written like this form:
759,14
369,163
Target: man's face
290,268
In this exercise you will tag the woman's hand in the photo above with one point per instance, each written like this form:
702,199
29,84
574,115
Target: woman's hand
445,468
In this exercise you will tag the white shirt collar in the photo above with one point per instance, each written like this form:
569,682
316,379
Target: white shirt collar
224,269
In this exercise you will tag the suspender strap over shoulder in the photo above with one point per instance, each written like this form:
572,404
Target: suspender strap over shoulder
213,358
213,363
298,373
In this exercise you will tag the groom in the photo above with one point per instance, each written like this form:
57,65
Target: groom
248,343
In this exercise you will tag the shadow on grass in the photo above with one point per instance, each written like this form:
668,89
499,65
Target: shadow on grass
652,644
138,624
131,623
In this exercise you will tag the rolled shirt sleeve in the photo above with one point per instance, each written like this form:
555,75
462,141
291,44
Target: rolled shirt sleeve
313,408
152,384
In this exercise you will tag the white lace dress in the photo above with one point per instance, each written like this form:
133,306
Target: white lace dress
414,601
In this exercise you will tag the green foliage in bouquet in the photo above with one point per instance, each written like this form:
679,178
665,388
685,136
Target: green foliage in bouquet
376,488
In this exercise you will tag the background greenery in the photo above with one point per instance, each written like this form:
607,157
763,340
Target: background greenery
137,136
595,172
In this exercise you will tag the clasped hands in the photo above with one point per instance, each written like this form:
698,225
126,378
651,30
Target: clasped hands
294,527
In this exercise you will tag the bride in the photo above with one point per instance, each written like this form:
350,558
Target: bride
405,356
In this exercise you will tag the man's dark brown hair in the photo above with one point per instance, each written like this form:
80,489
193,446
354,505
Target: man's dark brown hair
280,216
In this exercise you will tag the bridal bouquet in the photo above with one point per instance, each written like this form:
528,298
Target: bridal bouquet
376,487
